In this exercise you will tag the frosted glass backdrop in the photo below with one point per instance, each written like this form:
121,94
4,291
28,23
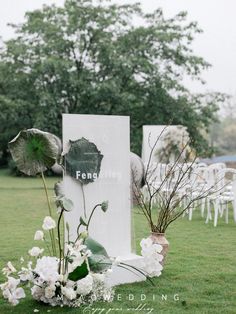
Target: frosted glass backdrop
111,136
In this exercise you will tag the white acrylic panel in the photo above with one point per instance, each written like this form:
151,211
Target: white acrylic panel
150,135
111,136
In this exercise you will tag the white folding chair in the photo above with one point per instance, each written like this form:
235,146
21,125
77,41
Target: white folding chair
222,196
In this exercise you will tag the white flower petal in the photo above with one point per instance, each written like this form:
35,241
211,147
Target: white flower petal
39,235
85,285
35,251
48,223
19,293
69,293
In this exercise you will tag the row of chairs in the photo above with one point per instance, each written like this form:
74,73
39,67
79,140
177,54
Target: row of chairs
217,182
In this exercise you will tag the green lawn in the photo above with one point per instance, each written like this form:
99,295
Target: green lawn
200,268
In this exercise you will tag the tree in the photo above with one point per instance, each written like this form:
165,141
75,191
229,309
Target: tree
88,57
223,136
13,115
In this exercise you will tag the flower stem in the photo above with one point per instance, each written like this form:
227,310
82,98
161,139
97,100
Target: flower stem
78,234
90,217
46,242
63,244
84,201
52,236
59,239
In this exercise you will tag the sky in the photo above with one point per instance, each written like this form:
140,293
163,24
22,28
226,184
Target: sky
217,44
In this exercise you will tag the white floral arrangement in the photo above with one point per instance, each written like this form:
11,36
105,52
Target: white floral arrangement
53,282
61,272
48,285
152,257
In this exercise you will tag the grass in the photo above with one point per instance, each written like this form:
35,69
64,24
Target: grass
200,267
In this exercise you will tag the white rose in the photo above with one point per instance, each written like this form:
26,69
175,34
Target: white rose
152,267
157,247
12,283
37,292
152,251
48,223
69,293
11,292
6,293
13,300
19,293
146,243
35,251
38,235
50,291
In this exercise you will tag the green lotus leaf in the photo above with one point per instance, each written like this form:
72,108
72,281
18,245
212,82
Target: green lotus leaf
34,151
83,161
99,263
95,247
99,260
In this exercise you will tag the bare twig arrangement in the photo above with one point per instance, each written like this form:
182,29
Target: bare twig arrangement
167,197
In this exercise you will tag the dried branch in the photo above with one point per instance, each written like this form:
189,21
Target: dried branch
175,193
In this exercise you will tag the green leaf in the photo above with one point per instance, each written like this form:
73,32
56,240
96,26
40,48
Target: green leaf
34,151
83,161
99,260
79,273
99,263
95,247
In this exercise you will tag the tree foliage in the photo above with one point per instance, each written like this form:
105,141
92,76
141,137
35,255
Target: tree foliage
90,57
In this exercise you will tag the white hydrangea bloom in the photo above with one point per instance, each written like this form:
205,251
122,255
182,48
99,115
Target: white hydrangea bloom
98,277
47,269
85,285
50,291
69,293
37,292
